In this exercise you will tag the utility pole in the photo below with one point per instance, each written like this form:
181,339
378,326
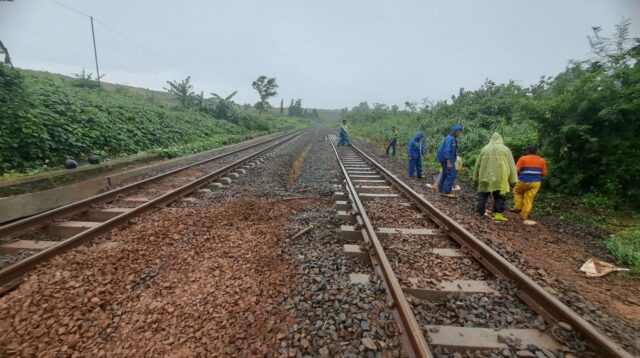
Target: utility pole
95,52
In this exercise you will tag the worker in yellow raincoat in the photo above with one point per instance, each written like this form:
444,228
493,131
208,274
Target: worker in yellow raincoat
495,171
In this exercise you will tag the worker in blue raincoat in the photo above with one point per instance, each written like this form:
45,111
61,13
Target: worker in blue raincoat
447,154
415,150
344,134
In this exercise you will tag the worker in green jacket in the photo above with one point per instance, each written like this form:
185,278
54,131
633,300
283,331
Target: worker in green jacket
393,141
495,171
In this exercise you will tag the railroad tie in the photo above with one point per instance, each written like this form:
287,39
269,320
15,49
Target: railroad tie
339,195
346,216
66,229
473,338
342,205
361,172
368,181
214,186
355,251
14,247
224,180
351,234
360,278
103,214
361,188
369,196
445,288
135,200
365,176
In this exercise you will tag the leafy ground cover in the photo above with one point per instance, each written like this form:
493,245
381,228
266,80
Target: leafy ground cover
625,245
46,118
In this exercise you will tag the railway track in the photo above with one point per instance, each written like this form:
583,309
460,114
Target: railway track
448,291
55,231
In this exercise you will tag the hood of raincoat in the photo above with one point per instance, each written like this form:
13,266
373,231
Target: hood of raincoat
419,135
496,138
456,127
495,168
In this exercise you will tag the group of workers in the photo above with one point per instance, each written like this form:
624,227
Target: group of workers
494,174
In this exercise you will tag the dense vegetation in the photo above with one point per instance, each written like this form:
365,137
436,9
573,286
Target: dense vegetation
625,246
45,118
585,120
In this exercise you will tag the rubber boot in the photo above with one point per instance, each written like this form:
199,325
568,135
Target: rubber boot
499,217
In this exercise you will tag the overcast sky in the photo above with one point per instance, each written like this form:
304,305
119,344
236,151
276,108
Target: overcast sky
330,53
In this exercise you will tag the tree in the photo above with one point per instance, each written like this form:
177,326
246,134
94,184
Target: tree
266,88
7,58
363,106
426,104
281,106
607,49
298,108
221,107
314,113
183,90
588,121
86,80
291,110
411,106
380,107
295,109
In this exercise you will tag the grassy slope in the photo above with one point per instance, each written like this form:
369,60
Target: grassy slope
55,118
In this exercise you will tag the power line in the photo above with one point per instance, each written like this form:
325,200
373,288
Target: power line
139,45
120,34
70,8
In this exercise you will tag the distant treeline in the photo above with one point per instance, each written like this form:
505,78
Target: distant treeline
586,120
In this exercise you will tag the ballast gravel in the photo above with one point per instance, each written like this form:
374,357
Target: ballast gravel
182,282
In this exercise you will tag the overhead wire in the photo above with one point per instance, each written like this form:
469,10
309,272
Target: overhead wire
129,39
137,44
118,33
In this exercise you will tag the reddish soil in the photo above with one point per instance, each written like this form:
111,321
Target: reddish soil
183,282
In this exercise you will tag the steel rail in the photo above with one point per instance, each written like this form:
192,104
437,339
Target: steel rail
37,221
418,345
15,271
541,301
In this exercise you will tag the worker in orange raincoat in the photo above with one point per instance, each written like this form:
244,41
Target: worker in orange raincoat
531,169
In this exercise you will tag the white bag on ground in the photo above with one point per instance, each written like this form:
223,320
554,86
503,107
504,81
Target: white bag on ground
597,268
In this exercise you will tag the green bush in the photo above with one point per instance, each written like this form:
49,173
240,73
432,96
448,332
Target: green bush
589,128
625,246
585,121
484,111
179,150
